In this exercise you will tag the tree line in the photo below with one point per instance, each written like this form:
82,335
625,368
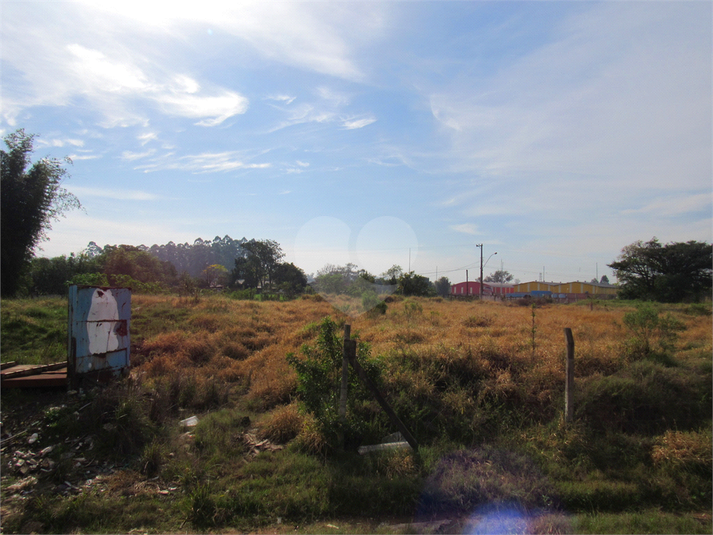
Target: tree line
33,197
257,265
354,282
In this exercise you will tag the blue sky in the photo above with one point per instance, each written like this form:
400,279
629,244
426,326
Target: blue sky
378,133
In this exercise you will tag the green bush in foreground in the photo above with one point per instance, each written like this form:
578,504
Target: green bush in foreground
319,385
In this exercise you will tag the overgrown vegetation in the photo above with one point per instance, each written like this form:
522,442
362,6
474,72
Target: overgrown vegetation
484,402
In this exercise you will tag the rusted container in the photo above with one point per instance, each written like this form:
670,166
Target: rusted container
99,340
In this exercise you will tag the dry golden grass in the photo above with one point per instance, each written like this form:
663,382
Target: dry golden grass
679,448
246,342
283,424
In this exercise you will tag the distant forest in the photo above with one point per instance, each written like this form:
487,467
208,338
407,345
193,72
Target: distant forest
192,258
219,263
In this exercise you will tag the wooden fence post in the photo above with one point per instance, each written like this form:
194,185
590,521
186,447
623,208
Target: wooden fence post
345,374
380,399
569,385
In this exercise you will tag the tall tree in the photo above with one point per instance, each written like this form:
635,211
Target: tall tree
290,279
417,285
673,272
443,286
499,276
257,265
31,199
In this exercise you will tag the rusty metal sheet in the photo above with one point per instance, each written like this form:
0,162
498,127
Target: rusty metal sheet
99,331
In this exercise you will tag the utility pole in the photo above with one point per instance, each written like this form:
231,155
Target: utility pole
480,290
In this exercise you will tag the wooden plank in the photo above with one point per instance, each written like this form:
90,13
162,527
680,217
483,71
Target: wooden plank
32,370
6,365
44,380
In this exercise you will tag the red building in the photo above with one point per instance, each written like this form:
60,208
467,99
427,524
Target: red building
472,288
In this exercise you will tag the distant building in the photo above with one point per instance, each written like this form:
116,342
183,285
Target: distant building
472,288
590,288
564,291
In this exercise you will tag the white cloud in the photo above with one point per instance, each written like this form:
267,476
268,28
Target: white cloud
305,113
40,142
146,137
207,162
98,73
282,98
465,228
119,195
672,206
352,124
313,36
103,64
629,104
613,111
131,156
80,157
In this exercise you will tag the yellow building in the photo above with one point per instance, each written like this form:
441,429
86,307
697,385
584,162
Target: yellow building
534,286
577,287
584,288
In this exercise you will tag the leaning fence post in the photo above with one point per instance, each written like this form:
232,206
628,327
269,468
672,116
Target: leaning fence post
569,385
380,399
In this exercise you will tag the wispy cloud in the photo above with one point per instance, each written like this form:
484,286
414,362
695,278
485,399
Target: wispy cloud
465,228
316,37
80,157
672,206
147,137
41,142
305,113
351,124
282,98
206,162
119,195
131,156
110,77
591,112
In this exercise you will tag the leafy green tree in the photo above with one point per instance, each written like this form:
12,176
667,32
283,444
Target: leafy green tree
52,276
604,280
392,275
215,275
290,279
257,265
499,276
31,199
345,279
443,286
669,273
141,266
416,285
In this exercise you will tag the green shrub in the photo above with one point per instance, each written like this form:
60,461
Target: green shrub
699,309
646,398
203,509
319,383
653,335
153,458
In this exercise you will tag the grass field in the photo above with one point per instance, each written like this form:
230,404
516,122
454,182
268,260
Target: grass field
480,386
